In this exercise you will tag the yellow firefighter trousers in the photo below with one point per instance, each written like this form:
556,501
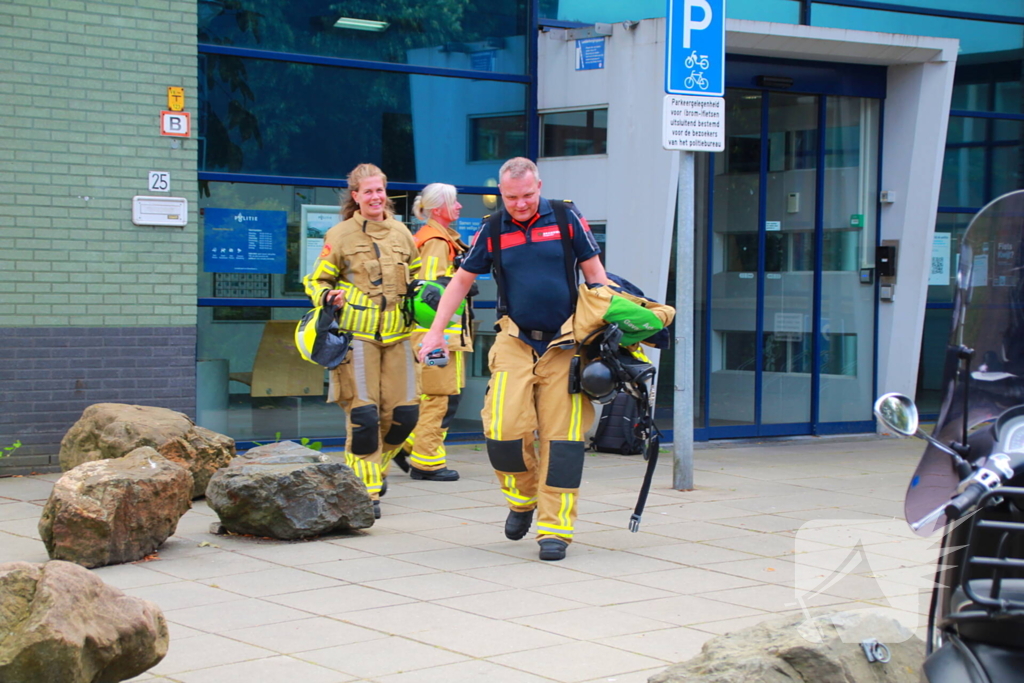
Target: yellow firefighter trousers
376,386
440,393
528,392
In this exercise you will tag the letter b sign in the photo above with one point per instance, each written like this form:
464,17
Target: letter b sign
175,123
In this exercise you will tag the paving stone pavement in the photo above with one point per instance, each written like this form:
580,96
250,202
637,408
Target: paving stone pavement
434,591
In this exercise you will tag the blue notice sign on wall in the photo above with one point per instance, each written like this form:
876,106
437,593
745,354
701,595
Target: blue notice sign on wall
589,54
240,241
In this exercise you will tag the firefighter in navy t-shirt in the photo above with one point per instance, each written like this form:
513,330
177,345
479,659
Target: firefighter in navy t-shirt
530,359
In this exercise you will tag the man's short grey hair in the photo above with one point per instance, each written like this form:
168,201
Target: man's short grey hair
517,168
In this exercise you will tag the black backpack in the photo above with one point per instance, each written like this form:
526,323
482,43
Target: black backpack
616,430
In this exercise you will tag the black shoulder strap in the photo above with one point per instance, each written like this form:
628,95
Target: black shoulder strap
652,444
568,256
494,235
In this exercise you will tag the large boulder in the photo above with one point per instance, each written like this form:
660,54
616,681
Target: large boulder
113,511
112,430
60,622
286,491
796,649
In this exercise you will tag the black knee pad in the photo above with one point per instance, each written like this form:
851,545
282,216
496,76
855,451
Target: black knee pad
453,406
365,430
403,421
506,456
565,464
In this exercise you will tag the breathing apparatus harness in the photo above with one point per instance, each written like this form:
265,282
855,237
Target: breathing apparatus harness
602,368
494,235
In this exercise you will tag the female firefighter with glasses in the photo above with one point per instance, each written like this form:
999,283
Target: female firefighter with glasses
441,386
365,268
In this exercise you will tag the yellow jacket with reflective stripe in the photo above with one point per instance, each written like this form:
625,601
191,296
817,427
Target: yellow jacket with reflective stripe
438,246
373,262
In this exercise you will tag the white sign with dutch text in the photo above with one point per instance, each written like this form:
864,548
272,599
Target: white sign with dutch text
693,124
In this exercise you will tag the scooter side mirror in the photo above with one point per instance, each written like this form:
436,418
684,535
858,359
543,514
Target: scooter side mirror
898,413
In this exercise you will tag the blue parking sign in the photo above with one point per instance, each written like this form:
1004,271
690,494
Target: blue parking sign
695,48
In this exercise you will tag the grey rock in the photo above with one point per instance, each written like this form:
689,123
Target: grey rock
824,648
112,430
60,622
113,511
286,491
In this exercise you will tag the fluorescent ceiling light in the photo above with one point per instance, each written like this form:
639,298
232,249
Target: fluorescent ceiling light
361,24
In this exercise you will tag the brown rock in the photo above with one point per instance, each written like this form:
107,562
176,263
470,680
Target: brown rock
112,430
60,623
799,649
287,491
118,510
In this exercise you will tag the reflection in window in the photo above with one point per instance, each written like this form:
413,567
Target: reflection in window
982,160
276,118
784,252
438,33
574,133
495,138
790,352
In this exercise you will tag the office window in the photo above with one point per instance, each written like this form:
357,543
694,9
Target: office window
436,33
266,117
494,138
574,133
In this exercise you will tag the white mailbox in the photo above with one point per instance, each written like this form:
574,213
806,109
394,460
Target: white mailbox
164,211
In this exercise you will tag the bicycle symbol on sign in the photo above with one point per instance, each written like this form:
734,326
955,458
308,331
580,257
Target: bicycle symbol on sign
697,60
696,79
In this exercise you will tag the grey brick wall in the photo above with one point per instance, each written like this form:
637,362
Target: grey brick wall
92,307
50,375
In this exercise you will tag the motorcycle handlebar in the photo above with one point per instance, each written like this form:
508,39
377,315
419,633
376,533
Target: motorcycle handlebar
963,502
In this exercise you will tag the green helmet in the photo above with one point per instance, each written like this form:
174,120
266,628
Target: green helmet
425,299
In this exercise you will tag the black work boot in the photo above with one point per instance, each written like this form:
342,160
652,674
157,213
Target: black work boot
402,460
517,524
552,549
376,509
443,474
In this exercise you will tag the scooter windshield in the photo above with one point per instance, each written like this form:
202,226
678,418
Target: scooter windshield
988,317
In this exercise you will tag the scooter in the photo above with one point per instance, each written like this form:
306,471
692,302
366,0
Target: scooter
970,480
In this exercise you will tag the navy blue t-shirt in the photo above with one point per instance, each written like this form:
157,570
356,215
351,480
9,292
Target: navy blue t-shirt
533,266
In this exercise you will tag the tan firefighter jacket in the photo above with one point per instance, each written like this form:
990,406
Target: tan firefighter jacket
372,262
438,248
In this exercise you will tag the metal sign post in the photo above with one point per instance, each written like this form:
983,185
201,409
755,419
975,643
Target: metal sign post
693,121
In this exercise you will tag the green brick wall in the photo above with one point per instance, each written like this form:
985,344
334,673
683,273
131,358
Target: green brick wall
82,85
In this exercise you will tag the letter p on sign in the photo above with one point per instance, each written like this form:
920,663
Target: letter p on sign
689,23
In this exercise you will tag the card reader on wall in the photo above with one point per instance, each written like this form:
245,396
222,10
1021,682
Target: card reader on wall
885,261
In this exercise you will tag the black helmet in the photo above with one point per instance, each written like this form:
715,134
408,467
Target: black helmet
599,382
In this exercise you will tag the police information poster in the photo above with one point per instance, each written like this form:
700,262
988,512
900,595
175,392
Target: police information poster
244,241
316,221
